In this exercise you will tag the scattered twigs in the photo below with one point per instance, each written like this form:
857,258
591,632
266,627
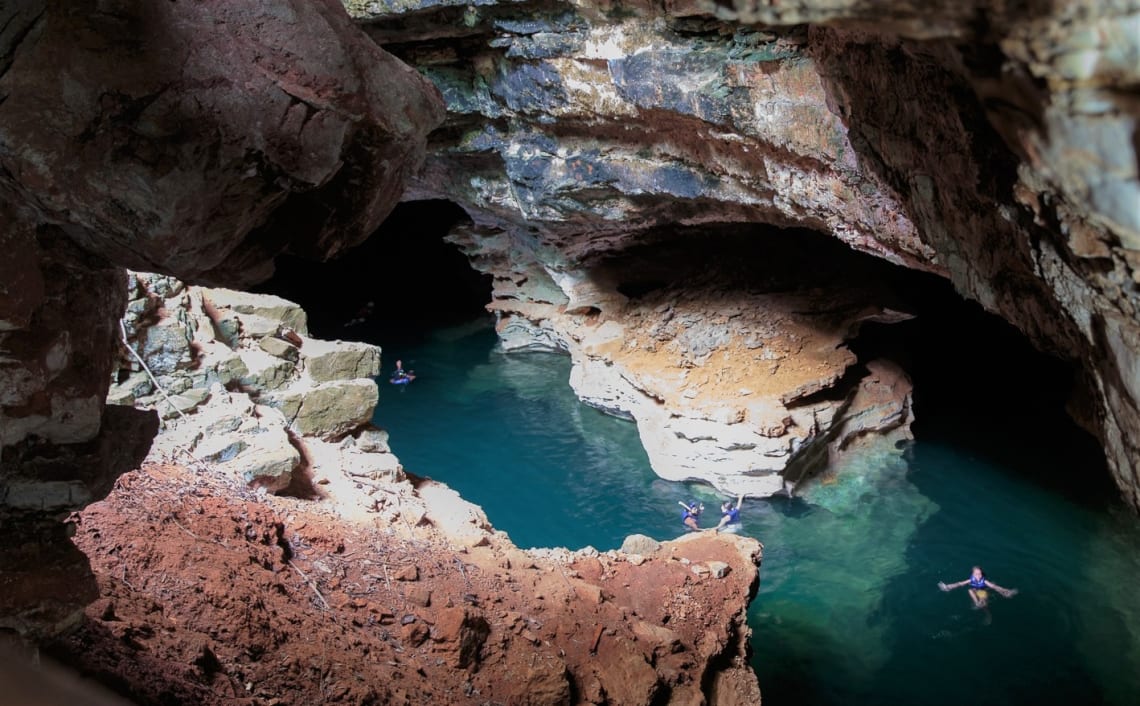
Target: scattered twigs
311,585
183,528
596,640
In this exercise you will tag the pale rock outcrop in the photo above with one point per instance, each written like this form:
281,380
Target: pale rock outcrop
343,360
727,385
258,400
333,409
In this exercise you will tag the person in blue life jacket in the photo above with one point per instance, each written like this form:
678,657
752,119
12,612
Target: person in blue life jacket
729,514
399,373
979,587
691,515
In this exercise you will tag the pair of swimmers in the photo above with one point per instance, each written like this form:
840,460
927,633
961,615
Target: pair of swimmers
729,515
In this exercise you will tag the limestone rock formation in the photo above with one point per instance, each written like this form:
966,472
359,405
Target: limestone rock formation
204,138
985,142
228,399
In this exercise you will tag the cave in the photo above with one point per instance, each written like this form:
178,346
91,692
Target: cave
402,281
967,364
871,273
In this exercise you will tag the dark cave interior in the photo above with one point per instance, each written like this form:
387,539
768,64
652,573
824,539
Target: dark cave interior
978,381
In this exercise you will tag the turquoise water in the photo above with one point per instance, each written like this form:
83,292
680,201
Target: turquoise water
848,610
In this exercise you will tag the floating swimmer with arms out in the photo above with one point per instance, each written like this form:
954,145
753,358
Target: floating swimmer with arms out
979,587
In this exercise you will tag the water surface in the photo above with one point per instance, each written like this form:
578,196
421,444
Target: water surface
848,610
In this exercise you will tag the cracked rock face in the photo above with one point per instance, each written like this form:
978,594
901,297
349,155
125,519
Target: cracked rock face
197,139
242,387
984,142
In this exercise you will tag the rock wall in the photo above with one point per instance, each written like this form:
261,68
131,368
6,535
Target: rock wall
198,139
244,390
985,142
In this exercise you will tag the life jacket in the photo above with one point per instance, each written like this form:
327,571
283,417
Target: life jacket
977,583
733,515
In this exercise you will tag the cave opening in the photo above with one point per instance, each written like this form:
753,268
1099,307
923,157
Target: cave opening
979,383
402,282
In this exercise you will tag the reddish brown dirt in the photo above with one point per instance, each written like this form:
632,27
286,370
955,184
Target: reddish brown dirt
216,595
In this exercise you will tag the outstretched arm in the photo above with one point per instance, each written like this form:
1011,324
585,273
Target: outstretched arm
1007,592
740,501
952,586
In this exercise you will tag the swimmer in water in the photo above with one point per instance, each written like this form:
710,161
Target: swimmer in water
730,515
691,514
979,587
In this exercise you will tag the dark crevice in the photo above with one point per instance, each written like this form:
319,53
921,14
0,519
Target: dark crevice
400,283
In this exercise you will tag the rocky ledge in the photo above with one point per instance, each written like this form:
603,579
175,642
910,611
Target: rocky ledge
737,373
242,387
214,593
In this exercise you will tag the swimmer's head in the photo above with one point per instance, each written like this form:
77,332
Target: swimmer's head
725,506
977,572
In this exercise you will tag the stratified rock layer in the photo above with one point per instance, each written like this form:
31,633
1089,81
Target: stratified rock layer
241,385
986,142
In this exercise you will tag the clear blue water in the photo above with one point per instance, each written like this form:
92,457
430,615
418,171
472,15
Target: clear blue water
848,610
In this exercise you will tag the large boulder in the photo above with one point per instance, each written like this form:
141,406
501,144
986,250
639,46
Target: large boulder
204,138
333,409
340,360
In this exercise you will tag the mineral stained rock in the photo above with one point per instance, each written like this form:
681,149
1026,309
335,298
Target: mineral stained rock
393,611
990,143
